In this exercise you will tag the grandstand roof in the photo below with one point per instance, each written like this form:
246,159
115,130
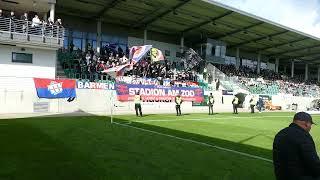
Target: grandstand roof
190,17
20,6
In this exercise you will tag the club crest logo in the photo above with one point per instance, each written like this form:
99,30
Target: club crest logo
122,89
198,92
55,88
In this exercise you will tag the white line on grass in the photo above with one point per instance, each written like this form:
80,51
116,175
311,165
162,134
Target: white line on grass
205,119
197,142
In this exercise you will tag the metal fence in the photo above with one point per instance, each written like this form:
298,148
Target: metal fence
29,28
233,81
87,76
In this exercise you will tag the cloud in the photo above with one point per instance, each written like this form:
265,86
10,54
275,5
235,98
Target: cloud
300,15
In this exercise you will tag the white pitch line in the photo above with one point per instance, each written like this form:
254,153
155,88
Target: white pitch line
205,119
197,142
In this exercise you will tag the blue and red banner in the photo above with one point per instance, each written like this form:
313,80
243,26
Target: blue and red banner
126,92
52,89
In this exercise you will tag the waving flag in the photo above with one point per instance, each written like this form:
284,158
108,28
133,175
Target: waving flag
137,52
156,55
118,70
192,58
52,89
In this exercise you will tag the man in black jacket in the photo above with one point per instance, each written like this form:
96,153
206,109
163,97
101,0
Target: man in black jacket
294,152
23,26
12,22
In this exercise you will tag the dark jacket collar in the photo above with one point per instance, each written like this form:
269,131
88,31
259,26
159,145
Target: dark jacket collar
294,125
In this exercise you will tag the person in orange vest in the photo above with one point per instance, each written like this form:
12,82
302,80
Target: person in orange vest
210,103
137,104
178,101
252,104
235,103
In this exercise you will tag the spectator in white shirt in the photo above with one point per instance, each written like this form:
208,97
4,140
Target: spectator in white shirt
36,21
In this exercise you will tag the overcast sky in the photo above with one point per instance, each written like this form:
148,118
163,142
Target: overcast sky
302,15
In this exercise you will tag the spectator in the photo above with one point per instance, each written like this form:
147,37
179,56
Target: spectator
24,17
36,21
210,78
56,30
205,73
1,14
36,25
71,47
12,22
260,104
217,85
50,22
294,151
12,16
92,70
58,23
49,27
89,47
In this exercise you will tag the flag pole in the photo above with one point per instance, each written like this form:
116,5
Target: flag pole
111,108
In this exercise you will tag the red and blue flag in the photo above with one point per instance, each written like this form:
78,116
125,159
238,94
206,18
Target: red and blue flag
52,89
137,52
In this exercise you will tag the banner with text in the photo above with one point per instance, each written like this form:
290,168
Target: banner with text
126,92
95,85
154,81
132,80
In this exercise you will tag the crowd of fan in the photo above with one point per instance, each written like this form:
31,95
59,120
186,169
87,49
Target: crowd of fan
299,88
12,23
269,80
247,72
161,70
93,64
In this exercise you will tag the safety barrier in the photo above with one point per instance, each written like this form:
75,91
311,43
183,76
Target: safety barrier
28,32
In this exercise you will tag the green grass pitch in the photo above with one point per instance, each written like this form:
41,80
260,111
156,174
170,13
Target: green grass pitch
90,148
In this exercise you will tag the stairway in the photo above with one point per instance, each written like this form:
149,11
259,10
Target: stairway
229,83
60,74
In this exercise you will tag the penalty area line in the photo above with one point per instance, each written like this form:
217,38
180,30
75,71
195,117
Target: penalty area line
207,119
197,142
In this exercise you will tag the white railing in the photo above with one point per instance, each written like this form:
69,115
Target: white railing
27,31
234,83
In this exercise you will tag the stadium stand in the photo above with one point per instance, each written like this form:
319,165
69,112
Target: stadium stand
271,83
90,65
